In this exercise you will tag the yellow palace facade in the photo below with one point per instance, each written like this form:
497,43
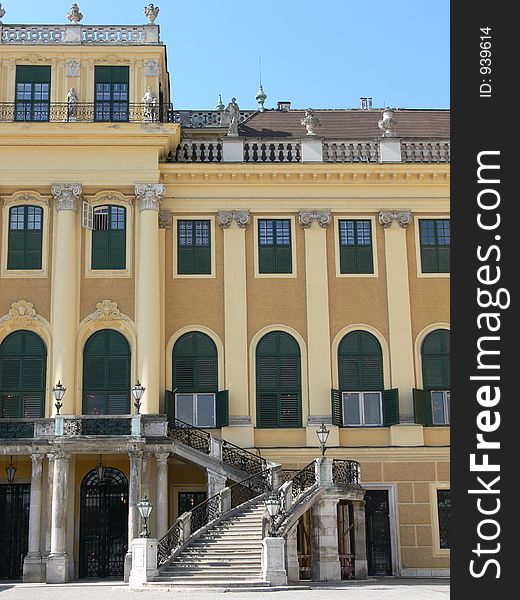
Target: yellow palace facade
258,272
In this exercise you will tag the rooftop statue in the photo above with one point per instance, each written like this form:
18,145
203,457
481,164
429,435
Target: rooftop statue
387,124
151,12
74,15
233,110
310,121
2,12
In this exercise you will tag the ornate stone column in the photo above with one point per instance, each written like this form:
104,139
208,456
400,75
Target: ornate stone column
58,560
162,493
149,196
325,554
32,564
64,291
360,542
50,486
234,223
394,224
315,224
133,512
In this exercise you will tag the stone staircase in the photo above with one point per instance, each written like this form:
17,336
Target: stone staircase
227,555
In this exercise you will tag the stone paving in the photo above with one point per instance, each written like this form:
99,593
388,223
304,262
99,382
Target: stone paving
383,589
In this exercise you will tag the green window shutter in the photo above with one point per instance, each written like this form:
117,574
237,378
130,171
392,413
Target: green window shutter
10,373
267,410
429,262
391,407
365,262
186,261
266,259
422,407
33,406
444,259
360,362
348,260
100,249
16,250
194,251
33,258
222,401
435,354
24,244
202,260
290,410
283,259
117,249
206,374
337,407
10,406
169,404
33,373
195,363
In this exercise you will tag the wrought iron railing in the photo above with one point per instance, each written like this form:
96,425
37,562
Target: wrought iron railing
346,472
84,112
16,429
304,479
189,435
217,506
97,425
241,459
267,151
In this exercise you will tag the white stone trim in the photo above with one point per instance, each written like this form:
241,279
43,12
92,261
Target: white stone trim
437,551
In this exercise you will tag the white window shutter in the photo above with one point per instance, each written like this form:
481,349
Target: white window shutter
88,216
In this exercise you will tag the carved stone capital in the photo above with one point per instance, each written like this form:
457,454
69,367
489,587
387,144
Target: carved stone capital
402,217
162,458
149,195
307,217
165,219
226,217
66,195
37,459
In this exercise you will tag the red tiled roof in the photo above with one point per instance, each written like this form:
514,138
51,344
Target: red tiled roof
348,124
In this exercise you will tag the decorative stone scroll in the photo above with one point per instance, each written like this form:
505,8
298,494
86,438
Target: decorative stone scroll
307,217
402,217
22,315
66,195
226,217
107,310
149,195
165,219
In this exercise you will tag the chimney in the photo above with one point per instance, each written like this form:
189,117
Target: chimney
365,103
283,105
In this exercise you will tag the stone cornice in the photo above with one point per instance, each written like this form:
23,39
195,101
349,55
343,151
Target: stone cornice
226,217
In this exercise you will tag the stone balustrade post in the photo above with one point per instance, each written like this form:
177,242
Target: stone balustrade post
225,500
215,448
273,560
32,564
216,482
144,562
186,526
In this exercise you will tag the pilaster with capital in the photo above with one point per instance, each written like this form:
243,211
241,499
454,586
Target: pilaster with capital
64,290
395,224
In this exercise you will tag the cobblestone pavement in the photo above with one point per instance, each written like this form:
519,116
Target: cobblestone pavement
384,589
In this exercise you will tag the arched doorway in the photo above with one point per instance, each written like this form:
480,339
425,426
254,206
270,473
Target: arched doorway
103,538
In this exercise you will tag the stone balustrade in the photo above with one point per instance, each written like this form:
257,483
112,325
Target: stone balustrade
349,151
423,151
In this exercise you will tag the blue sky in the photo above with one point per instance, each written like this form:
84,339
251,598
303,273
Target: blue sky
316,54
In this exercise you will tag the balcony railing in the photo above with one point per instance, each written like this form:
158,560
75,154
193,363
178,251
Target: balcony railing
207,118
346,151
423,151
90,112
90,35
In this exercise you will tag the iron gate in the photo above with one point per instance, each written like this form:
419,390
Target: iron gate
379,547
103,524
14,528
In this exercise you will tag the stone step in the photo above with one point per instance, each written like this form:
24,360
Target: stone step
208,584
206,571
210,577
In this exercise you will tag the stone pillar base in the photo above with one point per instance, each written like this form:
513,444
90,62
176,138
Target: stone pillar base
57,568
361,569
33,569
273,560
144,562
326,569
127,567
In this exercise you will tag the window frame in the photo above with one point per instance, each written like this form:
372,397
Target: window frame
25,199
446,401
110,199
32,102
437,551
256,242
195,396
337,245
111,102
418,247
213,243
361,401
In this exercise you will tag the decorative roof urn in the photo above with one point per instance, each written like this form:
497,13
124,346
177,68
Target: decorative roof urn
151,12
387,124
74,15
2,12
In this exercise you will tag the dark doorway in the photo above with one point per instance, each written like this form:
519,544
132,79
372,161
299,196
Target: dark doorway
14,526
103,539
379,546
188,500
346,542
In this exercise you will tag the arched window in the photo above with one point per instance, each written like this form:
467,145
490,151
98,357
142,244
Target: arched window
25,238
432,405
196,399
361,399
23,360
106,374
278,381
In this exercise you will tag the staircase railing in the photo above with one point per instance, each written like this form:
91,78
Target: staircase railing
346,472
191,522
201,440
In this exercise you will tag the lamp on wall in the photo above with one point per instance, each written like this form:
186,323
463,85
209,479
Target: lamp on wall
138,391
100,469
11,471
145,508
323,435
58,392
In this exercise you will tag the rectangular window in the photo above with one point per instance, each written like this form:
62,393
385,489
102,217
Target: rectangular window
32,93
274,246
362,408
109,238
444,510
193,247
25,238
111,93
434,236
196,409
355,247
440,407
